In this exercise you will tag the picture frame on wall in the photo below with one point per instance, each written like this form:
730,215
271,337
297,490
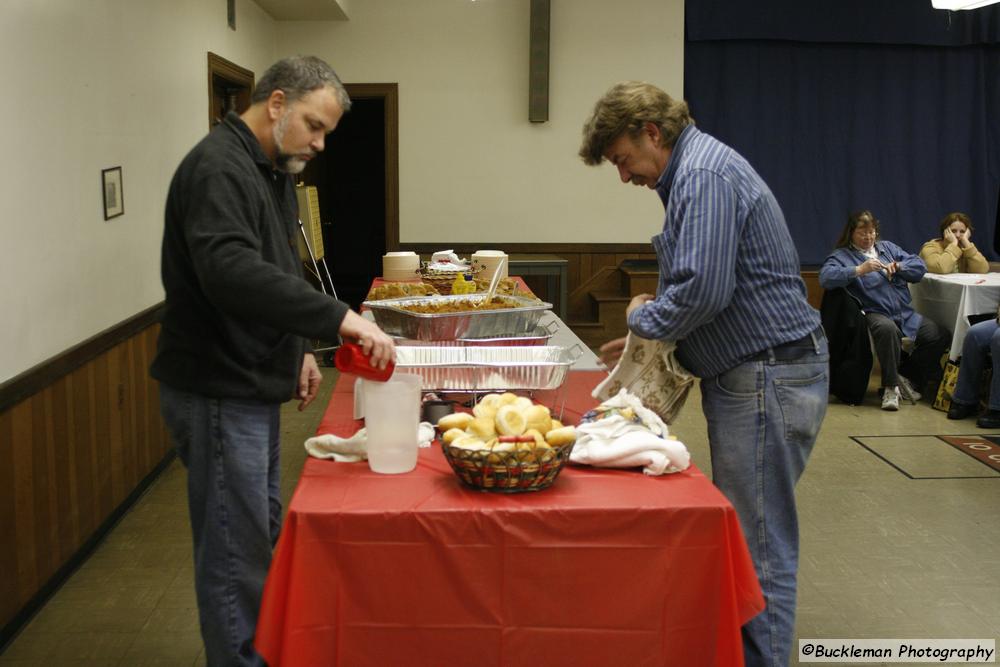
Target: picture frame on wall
114,201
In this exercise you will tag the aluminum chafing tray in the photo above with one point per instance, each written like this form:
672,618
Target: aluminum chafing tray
486,323
488,368
540,335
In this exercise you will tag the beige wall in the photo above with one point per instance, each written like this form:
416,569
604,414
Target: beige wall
471,165
93,84
100,83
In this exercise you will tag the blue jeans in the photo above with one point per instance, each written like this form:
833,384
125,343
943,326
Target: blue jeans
763,417
230,448
981,339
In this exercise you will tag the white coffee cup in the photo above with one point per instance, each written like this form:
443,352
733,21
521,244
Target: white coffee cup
490,260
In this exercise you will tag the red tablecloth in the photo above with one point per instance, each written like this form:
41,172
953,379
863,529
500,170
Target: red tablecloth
606,567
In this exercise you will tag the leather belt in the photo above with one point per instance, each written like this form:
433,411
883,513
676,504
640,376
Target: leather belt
794,349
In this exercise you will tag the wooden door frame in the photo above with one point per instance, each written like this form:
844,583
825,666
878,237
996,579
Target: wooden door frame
226,76
389,93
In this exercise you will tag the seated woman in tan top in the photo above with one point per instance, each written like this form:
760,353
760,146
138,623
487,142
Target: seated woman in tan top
954,252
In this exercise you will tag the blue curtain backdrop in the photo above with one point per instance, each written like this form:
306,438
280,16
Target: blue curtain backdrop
841,105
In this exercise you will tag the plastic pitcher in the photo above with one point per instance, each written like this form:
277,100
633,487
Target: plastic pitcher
392,417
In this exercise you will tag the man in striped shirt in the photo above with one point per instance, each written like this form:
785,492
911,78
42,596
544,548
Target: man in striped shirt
731,296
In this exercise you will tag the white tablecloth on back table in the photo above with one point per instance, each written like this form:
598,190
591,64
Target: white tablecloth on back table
950,299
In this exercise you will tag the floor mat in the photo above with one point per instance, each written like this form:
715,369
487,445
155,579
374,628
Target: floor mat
937,456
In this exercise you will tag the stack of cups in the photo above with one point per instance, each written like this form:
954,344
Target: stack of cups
400,266
490,260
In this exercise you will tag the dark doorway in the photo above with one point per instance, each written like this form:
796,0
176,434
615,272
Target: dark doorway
356,180
229,87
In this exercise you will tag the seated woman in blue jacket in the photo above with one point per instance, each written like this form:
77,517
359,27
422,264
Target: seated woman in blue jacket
876,272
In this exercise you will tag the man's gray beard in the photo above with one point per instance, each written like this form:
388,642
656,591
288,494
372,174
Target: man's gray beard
283,161
289,164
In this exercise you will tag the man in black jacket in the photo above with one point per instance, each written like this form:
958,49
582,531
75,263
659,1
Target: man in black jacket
233,344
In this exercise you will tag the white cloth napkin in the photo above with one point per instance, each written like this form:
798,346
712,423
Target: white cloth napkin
615,441
447,260
649,369
355,448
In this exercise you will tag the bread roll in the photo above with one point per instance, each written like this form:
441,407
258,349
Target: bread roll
487,406
459,420
510,421
537,417
484,411
507,398
482,427
539,442
467,441
561,436
522,403
451,434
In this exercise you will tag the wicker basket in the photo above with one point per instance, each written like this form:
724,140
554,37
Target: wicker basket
516,471
442,280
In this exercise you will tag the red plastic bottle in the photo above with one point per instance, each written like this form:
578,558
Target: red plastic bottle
351,358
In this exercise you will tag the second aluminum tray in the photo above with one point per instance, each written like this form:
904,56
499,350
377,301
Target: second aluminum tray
485,323
488,368
540,335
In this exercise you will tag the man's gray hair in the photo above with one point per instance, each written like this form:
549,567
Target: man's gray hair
627,107
298,75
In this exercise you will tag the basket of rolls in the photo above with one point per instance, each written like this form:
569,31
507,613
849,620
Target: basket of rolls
508,444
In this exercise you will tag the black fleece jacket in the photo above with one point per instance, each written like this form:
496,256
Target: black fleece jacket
238,310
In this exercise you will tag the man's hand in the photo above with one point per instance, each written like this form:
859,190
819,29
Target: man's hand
309,380
374,342
636,302
611,352
949,236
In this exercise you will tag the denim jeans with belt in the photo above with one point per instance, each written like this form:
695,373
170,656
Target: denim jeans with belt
230,448
981,340
763,417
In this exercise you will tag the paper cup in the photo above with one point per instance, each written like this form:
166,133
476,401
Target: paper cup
489,260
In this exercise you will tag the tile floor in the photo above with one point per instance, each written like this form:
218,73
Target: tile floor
883,554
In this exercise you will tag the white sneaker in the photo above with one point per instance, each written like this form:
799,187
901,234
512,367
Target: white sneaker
907,391
890,398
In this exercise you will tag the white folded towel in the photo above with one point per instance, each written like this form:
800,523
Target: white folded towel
355,448
617,441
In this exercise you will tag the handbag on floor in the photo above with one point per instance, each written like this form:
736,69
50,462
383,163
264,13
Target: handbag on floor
947,386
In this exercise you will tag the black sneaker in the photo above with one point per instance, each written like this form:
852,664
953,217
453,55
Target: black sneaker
989,419
961,410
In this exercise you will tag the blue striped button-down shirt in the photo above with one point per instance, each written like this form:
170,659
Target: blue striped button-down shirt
729,273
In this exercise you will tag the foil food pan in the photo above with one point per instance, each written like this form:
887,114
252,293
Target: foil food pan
540,335
488,368
485,323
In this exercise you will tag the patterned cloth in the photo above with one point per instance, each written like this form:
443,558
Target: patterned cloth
650,371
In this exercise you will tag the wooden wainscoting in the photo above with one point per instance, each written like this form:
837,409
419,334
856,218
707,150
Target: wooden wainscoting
813,291
80,438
